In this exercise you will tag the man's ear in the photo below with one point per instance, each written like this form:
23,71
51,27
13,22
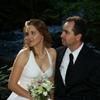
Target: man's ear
78,36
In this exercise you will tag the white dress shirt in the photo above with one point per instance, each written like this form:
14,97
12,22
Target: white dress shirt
65,61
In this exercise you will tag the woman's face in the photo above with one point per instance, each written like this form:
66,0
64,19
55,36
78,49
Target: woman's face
32,36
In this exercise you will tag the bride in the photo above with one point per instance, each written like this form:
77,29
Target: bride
36,59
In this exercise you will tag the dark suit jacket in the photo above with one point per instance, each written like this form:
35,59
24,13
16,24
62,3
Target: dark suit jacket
84,81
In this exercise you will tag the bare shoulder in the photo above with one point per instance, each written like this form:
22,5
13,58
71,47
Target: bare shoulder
23,52
53,53
22,56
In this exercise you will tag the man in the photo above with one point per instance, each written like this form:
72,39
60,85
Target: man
81,79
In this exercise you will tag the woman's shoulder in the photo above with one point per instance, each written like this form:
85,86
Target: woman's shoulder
52,52
23,53
22,57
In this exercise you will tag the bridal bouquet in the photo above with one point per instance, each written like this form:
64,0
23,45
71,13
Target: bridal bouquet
40,88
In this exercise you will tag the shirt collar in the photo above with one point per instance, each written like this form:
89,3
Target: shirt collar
76,52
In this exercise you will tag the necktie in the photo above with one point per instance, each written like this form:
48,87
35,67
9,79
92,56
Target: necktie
70,65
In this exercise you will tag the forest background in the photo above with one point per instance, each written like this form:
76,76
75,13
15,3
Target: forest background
13,14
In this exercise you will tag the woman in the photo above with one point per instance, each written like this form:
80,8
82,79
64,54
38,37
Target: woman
36,59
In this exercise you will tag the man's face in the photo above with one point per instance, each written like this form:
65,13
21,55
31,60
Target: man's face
68,36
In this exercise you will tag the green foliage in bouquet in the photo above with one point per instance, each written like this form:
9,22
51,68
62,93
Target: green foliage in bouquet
40,88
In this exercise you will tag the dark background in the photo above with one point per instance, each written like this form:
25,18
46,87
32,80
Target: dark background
14,13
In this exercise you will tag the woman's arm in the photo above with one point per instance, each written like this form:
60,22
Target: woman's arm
15,75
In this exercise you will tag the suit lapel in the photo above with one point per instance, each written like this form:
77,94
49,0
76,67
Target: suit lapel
79,71
60,55
78,67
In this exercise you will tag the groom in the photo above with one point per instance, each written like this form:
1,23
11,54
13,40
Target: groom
77,77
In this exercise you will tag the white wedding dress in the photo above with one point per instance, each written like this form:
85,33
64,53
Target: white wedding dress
31,71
